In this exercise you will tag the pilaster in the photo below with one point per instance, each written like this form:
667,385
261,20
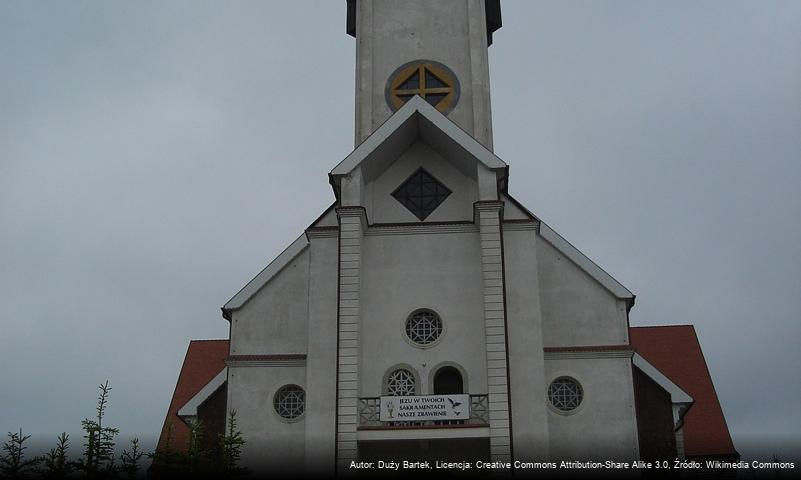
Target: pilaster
488,216
321,361
352,225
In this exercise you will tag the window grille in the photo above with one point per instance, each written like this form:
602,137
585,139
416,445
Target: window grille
423,327
401,382
434,82
290,402
421,193
565,394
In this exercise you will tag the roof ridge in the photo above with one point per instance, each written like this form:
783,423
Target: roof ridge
209,340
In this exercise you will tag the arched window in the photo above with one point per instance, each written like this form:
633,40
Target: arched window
401,382
448,381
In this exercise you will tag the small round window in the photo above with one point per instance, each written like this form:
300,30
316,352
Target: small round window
401,382
433,81
290,402
423,327
565,394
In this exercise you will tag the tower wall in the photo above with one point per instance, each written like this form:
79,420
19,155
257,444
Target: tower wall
452,32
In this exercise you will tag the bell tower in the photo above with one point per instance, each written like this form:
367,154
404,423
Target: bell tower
433,48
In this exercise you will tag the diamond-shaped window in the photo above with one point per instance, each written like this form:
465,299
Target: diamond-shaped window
421,194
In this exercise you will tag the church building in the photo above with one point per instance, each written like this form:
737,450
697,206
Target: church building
427,314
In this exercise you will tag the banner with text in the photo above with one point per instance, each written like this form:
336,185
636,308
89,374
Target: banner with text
425,407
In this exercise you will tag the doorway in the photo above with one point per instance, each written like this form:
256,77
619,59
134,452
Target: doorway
448,381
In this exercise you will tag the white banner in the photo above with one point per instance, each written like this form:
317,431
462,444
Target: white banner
425,407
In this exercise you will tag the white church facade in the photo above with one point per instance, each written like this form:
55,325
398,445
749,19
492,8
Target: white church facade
426,280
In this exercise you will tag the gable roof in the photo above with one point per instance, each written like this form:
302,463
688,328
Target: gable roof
204,360
416,119
675,351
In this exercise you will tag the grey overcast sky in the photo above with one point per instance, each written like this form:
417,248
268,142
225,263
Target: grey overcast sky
154,156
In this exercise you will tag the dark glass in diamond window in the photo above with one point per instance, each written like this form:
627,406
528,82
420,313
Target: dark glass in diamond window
421,194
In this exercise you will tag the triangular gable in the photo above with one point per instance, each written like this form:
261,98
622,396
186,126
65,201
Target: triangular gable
583,262
253,286
416,119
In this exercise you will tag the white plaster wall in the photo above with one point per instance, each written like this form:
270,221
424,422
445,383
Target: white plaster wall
275,319
402,273
271,442
391,33
526,360
604,426
576,309
382,207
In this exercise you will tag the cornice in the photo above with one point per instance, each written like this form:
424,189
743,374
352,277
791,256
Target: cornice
357,211
588,351
322,232
351,210
488,205
420,228
283,360
521,224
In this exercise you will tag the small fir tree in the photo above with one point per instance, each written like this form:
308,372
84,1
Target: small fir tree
231,443
13,463
98,456
130,459
196,455
56,464
167,461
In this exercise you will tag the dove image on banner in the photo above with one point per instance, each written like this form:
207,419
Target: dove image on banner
425,407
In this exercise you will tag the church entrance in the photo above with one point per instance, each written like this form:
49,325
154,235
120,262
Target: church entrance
450,450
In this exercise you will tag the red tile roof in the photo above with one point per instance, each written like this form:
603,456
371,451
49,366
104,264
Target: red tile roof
675,351
204,360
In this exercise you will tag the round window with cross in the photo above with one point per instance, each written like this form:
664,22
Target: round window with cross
432,80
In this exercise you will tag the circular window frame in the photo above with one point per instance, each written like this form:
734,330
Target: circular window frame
425,345
441,71
275,410
579,381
